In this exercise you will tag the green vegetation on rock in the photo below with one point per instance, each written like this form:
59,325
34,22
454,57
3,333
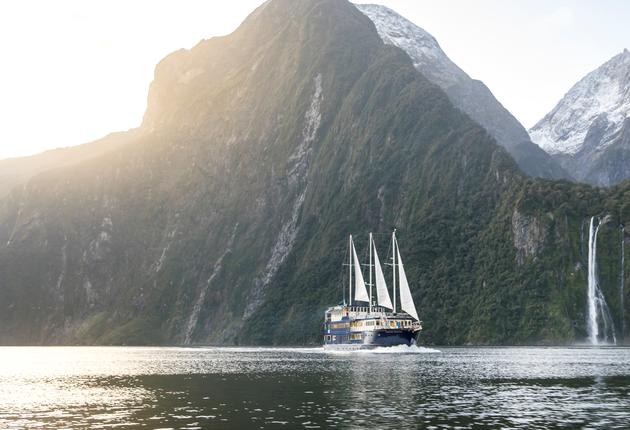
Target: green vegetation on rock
226,220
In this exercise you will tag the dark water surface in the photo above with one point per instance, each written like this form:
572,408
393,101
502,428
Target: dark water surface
243,388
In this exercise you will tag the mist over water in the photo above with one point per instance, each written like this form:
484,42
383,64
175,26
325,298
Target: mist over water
235,388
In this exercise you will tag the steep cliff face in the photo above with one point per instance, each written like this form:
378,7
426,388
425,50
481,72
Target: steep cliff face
144,236
529,235
226,218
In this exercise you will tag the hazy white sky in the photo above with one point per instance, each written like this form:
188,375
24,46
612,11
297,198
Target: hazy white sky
75,70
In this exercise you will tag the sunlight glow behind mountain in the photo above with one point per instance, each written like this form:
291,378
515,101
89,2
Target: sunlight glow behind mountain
74,71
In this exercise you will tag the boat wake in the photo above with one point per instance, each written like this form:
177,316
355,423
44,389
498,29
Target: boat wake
398,349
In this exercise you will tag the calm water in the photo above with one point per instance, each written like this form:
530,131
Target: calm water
242,388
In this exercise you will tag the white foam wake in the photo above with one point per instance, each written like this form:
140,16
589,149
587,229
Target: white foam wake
399,349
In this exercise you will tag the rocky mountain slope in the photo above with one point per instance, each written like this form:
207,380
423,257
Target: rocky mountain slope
225,219
588,131
469,95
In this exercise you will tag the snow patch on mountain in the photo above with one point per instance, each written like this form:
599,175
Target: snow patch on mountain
600,100
422,48
469,95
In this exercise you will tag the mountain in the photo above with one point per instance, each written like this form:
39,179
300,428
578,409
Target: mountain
588,131
225,219
469,95
17,171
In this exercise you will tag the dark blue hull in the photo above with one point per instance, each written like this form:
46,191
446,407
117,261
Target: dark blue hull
393,338
371,339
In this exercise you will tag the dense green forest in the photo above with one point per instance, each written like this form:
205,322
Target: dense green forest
225,220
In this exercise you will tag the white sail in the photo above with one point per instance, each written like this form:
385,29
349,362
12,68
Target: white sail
360,293
406,301
382,295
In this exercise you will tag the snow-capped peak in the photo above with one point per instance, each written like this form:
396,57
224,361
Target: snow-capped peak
468,95
600,102
422,48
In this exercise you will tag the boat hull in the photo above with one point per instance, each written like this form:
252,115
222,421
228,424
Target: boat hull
393,337
374,339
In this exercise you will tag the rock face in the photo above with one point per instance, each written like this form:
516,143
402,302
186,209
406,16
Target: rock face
529,236
469,95
225,219
588,131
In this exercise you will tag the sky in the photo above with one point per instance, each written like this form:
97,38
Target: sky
74,70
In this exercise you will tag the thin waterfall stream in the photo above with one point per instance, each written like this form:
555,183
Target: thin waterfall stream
598,310
622,282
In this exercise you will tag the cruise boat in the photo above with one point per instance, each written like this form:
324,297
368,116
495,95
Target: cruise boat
365,320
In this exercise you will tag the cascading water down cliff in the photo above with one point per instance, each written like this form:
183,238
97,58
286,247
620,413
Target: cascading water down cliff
622,282
598,311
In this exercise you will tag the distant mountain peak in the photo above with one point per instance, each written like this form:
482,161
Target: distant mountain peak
601,98
469,95
420,45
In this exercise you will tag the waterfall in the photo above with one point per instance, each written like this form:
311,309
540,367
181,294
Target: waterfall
597,306
593,329
622,282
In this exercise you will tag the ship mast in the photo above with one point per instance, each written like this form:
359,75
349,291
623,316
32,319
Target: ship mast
350,271
370,277
394,267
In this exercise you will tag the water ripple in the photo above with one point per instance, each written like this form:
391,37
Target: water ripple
233,388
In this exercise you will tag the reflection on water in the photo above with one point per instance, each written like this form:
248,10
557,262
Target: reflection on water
238,388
